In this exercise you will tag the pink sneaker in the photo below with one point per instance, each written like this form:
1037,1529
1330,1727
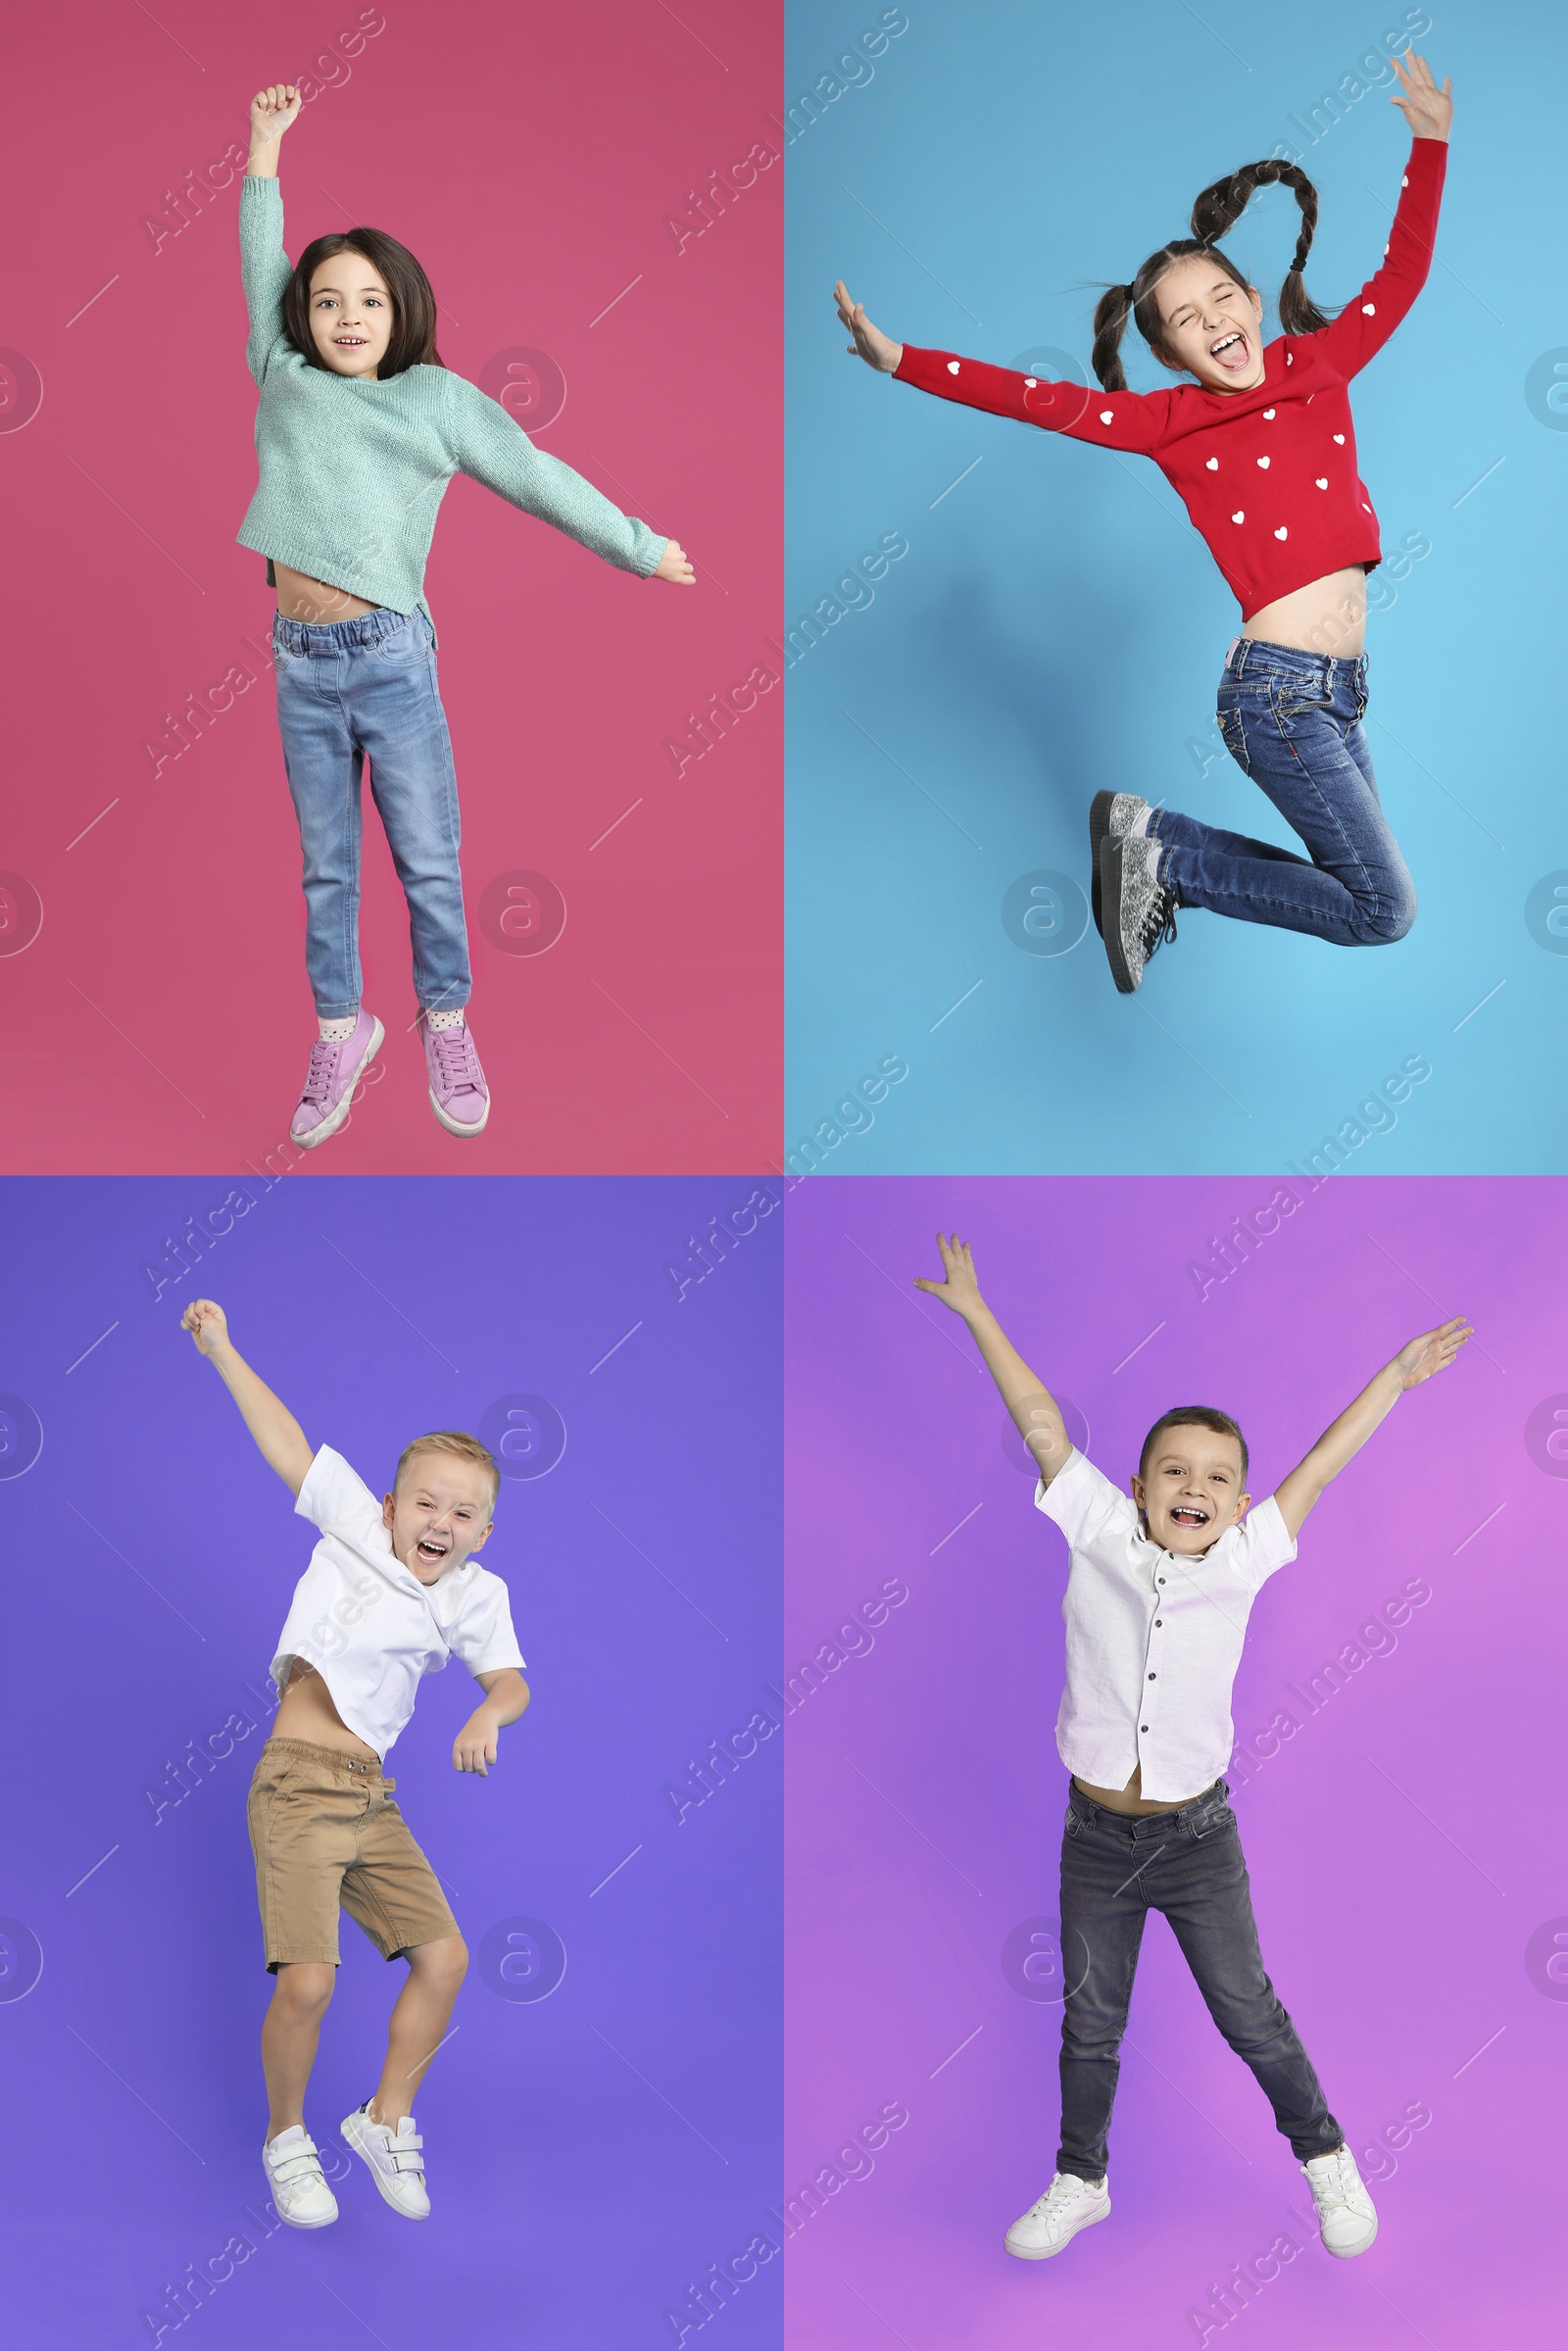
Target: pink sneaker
334,1072
459,1095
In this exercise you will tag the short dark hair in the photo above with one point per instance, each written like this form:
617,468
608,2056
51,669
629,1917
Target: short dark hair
1193,1416
411,343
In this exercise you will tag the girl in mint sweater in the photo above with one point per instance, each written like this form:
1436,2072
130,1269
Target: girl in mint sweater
359,427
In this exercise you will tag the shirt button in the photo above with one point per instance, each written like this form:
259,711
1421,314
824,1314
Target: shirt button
1143,1725
1159,1621
1150,1677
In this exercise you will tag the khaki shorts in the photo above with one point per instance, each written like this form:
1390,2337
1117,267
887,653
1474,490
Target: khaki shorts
326,1832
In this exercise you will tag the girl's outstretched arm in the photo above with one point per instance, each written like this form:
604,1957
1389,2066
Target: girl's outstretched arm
1132,422
264,267
492,448
1365,324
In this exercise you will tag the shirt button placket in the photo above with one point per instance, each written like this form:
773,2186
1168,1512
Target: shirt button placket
1153,1658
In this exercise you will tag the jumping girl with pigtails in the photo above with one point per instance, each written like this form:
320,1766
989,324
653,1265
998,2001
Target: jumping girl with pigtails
1261,450
360,427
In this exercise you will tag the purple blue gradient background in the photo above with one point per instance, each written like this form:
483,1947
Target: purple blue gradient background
589,2153
1400,1846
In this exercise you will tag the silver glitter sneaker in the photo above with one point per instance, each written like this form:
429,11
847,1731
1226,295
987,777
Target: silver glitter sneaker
1139,913
1110,813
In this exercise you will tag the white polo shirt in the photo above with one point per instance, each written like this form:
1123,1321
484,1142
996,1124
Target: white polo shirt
365,1622
1153,1641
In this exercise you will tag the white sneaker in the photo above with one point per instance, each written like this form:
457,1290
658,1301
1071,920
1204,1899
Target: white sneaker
1346,2219
396,2165
1067,2205
295,2177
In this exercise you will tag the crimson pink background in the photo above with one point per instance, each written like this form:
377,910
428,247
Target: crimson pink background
1395,1843
529,155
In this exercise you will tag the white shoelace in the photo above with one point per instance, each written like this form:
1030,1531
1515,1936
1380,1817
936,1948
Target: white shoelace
1333,2189
1062,2193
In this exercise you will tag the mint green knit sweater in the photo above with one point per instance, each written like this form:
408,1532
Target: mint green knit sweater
353,471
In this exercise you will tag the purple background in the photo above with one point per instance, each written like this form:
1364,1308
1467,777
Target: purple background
589,2153
1399,1844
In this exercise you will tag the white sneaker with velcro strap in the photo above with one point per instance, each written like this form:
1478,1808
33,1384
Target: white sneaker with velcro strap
1346,2216
298,2184
396,2164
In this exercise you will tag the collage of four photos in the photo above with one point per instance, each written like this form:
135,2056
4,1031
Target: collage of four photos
697,1024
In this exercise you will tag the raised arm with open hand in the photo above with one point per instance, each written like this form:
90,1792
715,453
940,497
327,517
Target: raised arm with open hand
282,1443
1428,110
1026,1396
878,350
1432,1353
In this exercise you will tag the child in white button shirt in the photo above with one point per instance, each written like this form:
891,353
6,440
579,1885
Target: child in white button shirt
391,1592
1158,1597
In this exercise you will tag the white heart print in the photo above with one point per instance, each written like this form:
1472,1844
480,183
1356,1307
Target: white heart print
1264,461
1268,415
1339,440
1213,465
1030,381
1105,415
1282,532
952,366
1238,518
1322,481
1368,310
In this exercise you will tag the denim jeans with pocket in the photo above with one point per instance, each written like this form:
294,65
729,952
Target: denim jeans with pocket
348,690
1291,721
1115,1868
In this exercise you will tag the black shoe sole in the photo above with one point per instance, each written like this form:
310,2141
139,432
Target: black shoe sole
1099,830
1109,879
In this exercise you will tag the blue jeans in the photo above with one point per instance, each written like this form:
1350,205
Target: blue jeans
1291,721
345,689
1115,1868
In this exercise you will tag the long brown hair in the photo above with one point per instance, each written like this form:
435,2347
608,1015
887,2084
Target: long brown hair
413,339
1216,210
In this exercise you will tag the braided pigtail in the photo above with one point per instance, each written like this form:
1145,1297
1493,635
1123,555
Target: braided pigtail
1220,207
1112,314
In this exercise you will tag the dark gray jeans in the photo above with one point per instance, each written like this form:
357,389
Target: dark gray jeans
1115,1868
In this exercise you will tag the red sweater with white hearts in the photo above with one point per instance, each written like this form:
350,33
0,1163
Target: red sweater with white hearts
1273,489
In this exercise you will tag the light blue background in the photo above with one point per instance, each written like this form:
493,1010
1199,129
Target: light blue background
1057,625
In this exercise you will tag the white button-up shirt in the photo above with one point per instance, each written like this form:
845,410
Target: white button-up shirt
365,1622
1153,1640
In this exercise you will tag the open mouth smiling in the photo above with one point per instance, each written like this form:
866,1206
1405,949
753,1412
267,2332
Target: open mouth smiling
1230,351
1188,1514
431,1549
